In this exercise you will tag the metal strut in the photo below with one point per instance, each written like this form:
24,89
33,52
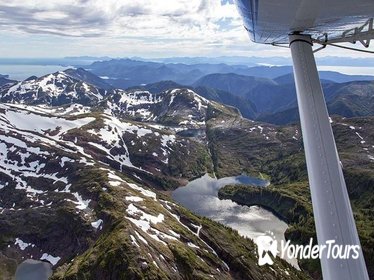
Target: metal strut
363,34
331,206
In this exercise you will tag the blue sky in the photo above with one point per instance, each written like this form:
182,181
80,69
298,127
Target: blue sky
147,28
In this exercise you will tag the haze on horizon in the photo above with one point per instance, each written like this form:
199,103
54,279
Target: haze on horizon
146,28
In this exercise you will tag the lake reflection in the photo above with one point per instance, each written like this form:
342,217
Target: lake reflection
201,197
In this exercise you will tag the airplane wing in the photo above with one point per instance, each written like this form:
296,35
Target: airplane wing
270,21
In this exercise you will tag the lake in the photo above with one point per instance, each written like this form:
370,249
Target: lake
201,197
33,270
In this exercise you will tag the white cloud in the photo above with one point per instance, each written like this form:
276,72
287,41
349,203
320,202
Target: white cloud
110,18
127,27
202,23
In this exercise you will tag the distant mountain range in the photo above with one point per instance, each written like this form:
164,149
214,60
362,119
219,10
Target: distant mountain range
124,73
275,100
275,60
247,60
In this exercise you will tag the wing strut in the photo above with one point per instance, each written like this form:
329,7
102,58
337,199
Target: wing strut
331,206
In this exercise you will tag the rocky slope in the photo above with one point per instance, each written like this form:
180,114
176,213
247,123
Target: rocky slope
82,185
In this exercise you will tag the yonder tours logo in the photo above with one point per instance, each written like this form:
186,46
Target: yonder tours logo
267,249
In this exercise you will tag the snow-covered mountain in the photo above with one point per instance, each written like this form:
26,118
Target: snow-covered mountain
86,184
81,87
179,107
54,89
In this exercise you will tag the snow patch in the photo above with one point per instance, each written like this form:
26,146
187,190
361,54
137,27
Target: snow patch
144,192
134,198
23,245
98,224
53,260
133,241
190,244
